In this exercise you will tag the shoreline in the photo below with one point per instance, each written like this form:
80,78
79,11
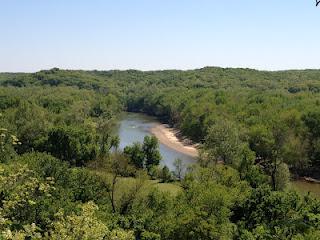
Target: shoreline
168,137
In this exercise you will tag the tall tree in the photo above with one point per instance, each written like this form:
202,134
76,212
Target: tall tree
135,154
151,151
222,143
179,168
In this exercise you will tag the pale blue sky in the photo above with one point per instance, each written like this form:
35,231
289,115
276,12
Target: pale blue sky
158,34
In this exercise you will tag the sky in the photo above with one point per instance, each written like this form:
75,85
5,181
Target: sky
158,34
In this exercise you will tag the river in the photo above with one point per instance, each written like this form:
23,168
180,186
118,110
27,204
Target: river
305,187
135,126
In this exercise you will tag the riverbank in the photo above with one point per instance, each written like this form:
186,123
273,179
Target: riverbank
305,187
133,127
169,137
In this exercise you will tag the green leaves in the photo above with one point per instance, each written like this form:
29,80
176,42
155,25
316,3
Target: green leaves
248,120
22,194
7,143
77,146
83,226
268,214
222,144
144,155
151,152
135,154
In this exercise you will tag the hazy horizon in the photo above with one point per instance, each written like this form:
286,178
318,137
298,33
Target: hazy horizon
168,69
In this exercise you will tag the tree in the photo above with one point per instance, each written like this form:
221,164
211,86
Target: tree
128,197
120,234
204,207
146,155
155,172
107,140
261,141
46,166
72,144
269,145
179,168
150,148
135,154
247,161
312,122
150,236
22,196
82,226
31,126
7,142
295,154
222,143
165,174
282,177
268,214
119,165
85,226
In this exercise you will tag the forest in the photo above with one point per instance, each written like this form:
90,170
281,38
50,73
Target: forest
63,176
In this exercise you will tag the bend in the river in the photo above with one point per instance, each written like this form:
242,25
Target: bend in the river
135,126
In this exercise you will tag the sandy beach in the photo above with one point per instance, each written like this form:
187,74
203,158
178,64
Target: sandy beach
168,137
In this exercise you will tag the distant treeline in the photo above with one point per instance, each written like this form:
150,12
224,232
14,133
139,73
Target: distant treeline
259,104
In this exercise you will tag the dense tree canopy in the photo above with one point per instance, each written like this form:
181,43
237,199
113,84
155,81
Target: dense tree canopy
62,175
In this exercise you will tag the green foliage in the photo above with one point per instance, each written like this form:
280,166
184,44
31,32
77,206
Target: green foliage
23,195
282,176
119,234
151,152
269,215
62,112
204,209
179,168
150,236
82,226
7,142
30,130
70,184
155,172
312,121
46,166
144,155
261,141
77,146
136,154
258,124
222,143
165,174
246,162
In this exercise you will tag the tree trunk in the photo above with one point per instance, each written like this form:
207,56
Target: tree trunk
114,181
